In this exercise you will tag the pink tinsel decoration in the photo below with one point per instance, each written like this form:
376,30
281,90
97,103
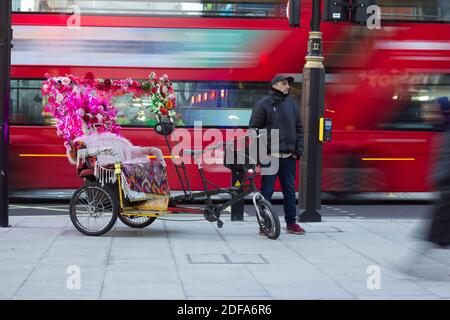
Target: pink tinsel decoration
83,105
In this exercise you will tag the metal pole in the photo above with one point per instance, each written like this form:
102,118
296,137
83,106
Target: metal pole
5,64
312,109
237,179
237,209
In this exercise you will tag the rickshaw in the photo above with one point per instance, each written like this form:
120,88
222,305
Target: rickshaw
96,205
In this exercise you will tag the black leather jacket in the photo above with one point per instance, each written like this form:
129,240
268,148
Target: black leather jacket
277,111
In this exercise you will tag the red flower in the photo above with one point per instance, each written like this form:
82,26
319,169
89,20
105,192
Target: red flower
89,75
154,90
163,111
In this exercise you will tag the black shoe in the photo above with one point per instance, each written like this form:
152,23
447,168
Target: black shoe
443,245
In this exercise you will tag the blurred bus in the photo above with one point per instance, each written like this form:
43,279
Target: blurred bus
221,56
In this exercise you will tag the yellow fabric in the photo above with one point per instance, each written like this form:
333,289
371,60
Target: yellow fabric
156,204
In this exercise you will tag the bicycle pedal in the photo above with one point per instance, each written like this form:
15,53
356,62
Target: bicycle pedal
219,224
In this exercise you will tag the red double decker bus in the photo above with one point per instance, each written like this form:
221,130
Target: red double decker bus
221,56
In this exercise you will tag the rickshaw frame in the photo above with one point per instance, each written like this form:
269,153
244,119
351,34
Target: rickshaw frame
266,216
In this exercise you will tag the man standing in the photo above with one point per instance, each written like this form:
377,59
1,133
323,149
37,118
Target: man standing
277,111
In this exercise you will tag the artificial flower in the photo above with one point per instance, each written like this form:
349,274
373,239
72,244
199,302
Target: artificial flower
84,105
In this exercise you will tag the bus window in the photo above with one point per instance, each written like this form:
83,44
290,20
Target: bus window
216,104
415,10
222,104
407,107
233,8
26,103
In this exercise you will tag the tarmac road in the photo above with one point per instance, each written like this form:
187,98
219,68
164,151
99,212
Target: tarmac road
355,211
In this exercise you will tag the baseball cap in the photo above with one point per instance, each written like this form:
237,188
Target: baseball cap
282,77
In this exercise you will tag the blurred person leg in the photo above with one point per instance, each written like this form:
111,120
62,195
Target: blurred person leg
435,235
439,232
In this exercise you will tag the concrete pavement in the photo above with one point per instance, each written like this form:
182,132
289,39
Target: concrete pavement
45,257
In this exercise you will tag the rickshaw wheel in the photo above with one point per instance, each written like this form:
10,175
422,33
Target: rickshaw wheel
268,219
136,222
94,209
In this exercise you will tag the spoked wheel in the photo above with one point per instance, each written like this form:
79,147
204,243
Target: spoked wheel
268,219
94,209
136,222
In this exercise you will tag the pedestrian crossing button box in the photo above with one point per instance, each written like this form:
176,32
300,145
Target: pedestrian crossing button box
325,129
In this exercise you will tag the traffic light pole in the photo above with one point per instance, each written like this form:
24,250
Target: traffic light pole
312,109
237,209
5,65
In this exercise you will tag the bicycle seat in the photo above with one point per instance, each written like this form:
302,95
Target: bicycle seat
86,173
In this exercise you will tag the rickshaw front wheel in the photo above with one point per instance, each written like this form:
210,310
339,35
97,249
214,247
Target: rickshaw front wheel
268,219
94,208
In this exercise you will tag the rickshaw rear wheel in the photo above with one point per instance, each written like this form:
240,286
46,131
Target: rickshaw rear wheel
268,219
93,203
136,222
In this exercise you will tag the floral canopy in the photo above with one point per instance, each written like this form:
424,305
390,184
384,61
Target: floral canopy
84,105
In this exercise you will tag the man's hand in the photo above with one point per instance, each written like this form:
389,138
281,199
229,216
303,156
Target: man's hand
296,155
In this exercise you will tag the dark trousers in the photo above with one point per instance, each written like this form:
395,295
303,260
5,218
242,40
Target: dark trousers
286,174
439,231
